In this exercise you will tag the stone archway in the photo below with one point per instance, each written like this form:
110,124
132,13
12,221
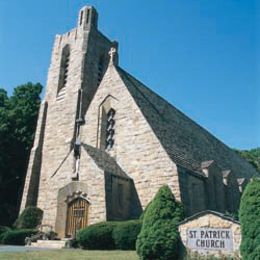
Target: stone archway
73,192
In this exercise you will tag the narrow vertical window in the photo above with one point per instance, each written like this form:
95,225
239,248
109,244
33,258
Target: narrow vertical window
110,129
88,11
81,17
100,70
64,71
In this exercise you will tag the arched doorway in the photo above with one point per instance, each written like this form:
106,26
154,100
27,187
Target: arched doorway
77,216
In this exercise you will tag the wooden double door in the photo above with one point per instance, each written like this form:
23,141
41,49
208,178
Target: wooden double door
77,216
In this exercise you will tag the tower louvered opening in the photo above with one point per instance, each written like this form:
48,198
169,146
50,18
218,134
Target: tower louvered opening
64,72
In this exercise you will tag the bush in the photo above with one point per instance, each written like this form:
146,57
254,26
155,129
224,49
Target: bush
97,236
110,235
3,230
17,237
125,234
31,217
249,215
159,237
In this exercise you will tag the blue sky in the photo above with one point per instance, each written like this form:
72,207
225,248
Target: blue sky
202,56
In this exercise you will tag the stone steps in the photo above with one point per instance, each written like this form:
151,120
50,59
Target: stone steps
50,244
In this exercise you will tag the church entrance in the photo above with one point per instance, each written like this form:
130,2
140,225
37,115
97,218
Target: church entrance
77,216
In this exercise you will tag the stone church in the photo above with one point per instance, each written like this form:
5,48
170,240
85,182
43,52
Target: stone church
105,143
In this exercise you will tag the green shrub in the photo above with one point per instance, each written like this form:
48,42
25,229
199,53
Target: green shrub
143,213
31,217
97,236
159,237
249,215
3,230
17,237
110,235
125,234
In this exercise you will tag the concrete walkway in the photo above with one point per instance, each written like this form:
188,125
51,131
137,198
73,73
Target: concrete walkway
16,249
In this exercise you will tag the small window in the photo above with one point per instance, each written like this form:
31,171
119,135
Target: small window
110,129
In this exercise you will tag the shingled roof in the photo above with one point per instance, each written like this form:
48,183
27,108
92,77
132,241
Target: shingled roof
186,143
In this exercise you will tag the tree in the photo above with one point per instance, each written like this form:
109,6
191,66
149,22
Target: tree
159,235
249,215
252,156
4,130
18,116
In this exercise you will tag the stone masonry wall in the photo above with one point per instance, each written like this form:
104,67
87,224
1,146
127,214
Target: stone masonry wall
60,121
31,185
93,182
136,148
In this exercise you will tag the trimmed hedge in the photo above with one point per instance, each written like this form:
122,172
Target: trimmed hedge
125,234
17,237
31,217
110,235
249,215
97,236
159,237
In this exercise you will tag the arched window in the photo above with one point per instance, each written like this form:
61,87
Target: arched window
64,69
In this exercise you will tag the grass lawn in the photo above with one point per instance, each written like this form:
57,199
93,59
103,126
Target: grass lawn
71,254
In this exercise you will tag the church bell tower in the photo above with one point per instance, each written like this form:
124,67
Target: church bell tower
78,63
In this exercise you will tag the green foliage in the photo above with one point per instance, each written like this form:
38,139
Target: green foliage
31,217
17,237
97,236
159,237
18,116
125,234
252,156
143,213
110,235
250,221
3,230
234,215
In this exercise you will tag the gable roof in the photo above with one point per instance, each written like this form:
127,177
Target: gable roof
186,142
104,161
208,212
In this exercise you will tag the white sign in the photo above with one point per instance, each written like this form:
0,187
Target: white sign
216,239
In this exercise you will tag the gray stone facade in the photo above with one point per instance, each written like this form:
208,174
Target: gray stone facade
154,143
